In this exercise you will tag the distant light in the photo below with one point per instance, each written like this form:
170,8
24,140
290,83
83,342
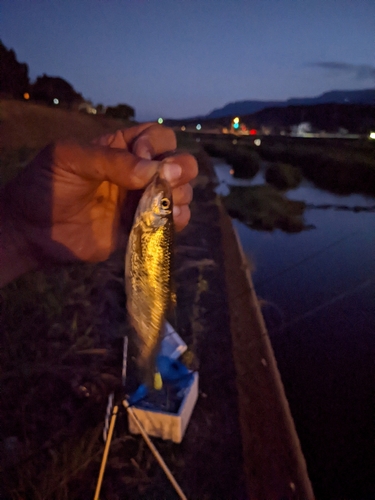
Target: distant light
234,141
257,142
236,120
160,121
372,135
55,101
253,131
26,95
231,171
236,125
183,128
199,126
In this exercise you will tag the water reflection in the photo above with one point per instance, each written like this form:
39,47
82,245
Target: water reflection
318,293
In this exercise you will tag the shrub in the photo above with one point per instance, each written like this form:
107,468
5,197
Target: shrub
283,176
265,208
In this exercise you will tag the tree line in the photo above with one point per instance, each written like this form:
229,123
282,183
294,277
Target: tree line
50,90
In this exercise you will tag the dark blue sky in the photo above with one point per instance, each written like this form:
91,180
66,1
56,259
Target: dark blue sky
179,58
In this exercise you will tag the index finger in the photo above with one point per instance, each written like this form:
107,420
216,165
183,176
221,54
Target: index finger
153,141
98,163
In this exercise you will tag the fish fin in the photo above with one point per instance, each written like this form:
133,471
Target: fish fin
158,381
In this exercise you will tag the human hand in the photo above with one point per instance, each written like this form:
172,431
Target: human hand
67,203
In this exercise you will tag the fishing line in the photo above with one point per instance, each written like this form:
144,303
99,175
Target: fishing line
330,302
307,258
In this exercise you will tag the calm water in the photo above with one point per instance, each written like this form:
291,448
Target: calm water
318,288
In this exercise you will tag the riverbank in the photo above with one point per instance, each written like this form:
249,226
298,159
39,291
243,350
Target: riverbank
273,460
340,167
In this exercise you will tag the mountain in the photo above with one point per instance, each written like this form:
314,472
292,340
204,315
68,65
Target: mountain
241,108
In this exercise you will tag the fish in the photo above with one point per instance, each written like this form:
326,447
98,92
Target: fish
148,273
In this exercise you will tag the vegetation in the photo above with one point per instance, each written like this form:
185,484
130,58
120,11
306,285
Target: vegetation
15,84
121,112
47,88
283,176
14,76
57,368
245,161
28,127
265,208
337,167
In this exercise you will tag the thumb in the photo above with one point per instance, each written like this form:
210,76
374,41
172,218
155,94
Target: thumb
106,164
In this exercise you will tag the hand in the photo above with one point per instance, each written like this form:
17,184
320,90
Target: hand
67,203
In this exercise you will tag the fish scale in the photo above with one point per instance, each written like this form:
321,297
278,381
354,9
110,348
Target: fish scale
148,270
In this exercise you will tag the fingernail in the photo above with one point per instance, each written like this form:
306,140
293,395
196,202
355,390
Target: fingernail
176,211
143,152
172,171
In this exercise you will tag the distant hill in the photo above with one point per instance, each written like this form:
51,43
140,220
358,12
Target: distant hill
242,108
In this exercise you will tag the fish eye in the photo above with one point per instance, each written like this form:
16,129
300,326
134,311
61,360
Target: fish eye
165,203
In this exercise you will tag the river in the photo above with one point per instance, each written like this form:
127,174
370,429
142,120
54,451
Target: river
317,289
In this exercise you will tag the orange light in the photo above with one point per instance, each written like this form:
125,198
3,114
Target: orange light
26,95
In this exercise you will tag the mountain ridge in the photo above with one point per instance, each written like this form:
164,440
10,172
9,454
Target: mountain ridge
247,107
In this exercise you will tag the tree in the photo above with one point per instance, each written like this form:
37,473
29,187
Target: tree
48,88
14,76
100,108
121,111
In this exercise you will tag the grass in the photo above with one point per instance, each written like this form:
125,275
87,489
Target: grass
25,128
59,328
340,168
265,208
245,161
283,176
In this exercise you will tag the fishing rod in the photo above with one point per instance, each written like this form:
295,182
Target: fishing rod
110,422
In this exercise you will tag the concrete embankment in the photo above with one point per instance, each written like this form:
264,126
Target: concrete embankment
273,461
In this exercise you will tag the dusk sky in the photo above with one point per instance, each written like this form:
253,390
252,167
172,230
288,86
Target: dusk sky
182,58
